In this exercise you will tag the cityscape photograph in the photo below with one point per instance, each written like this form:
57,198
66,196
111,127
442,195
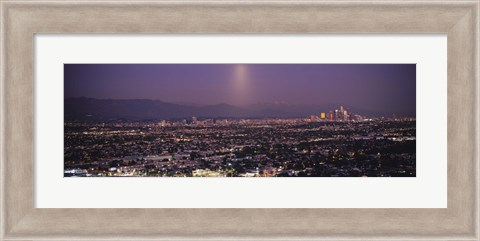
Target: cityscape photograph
239,120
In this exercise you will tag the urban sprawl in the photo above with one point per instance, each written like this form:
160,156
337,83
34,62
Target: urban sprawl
330,144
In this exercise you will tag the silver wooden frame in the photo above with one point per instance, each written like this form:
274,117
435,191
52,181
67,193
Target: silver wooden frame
21,19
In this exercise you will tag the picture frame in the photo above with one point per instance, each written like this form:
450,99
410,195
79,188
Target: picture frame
21,20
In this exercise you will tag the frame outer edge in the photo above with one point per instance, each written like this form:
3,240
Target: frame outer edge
3,111
469,72
477,122
2,121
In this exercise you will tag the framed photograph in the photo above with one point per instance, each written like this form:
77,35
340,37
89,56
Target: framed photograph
265,120
228,120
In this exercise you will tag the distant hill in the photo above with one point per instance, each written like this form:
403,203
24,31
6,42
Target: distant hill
83,108
139,109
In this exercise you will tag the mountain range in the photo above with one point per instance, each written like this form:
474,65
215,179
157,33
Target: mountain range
82,108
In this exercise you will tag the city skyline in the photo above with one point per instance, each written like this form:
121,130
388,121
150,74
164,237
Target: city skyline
386,88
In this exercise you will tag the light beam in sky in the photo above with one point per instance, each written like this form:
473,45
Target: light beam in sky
240,84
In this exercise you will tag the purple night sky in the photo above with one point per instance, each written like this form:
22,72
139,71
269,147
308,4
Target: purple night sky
376,87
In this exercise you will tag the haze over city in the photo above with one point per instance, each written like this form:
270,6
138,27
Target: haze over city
383,88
